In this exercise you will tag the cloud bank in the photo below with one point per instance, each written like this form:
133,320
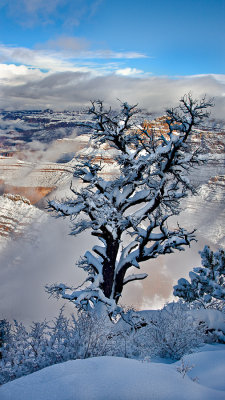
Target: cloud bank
65,73
23,87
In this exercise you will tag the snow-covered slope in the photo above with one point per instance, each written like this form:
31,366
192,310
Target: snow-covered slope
206,211
115,378
17,173
16,213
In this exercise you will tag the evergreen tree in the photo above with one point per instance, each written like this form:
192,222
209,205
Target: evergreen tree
207,283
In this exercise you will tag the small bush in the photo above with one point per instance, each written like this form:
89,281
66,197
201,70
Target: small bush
171,334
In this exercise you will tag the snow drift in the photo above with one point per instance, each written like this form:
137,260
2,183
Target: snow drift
114,378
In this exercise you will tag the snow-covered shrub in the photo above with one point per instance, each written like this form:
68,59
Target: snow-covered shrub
15,353
172,333
93,333
121,343
27,350
214,321
125,334
62,344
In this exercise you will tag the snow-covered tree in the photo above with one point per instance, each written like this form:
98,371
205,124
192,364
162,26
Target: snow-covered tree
4,334
207,283
129,213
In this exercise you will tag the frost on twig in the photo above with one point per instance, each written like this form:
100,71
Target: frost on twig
184,368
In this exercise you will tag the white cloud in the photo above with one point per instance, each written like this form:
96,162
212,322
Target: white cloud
129,71
38,59
13,75
71,57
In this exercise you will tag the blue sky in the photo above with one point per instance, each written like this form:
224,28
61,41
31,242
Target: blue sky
174,37
136,39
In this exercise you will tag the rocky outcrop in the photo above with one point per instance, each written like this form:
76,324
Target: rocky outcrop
32,180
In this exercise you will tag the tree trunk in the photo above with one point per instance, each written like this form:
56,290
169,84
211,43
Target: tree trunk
109,267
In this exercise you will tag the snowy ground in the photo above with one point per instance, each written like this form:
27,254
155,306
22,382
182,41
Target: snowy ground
115,378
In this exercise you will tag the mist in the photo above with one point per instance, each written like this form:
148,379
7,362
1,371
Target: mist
47,254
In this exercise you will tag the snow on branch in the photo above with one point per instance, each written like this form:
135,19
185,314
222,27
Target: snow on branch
134,277
66,209
81,298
